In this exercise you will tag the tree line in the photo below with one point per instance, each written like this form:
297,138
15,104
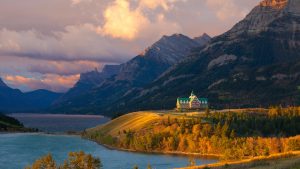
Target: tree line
231,135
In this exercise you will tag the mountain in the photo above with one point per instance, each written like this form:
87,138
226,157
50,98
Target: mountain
88,81
136,73
203,40
256,63
147,66
2,84
13,100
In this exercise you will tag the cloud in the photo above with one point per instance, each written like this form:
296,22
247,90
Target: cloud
122,22
226,10
125,33
82,34
51,82
64,68
153,4
76,2
75,43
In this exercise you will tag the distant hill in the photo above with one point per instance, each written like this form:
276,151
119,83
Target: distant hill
256,63
143,69
13,100
9,124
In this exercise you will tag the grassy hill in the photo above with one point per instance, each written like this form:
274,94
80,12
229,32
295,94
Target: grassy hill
136,121
229,135
240,138
133,121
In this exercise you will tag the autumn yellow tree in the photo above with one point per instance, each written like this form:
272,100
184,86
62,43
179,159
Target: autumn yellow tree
46,162
76,160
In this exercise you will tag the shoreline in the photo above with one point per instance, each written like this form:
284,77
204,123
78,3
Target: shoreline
216,165
67,133
173,153
245,162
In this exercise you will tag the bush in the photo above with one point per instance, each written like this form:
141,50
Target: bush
76,160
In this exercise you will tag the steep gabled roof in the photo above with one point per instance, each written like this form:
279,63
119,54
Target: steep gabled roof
183,99
203,99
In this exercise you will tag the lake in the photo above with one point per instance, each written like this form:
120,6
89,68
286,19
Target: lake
20,150
59,123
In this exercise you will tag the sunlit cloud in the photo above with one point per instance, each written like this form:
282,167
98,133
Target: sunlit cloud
76,2
49,81
153,4
122,22
64,68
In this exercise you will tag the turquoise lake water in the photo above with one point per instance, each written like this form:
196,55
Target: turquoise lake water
20,150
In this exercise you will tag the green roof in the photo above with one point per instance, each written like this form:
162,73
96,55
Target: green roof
203,99
188,99
183,99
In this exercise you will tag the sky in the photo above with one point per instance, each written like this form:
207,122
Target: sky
47,44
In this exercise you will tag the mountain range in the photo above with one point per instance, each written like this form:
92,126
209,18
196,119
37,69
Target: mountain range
136,73
254,64
14,100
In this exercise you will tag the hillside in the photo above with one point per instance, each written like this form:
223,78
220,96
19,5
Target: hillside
234,135
88,81
133,121
14,100
255,64
136,73
9,124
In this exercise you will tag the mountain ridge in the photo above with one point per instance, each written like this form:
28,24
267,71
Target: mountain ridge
240,68
135,73
89,80
2,84
15,101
